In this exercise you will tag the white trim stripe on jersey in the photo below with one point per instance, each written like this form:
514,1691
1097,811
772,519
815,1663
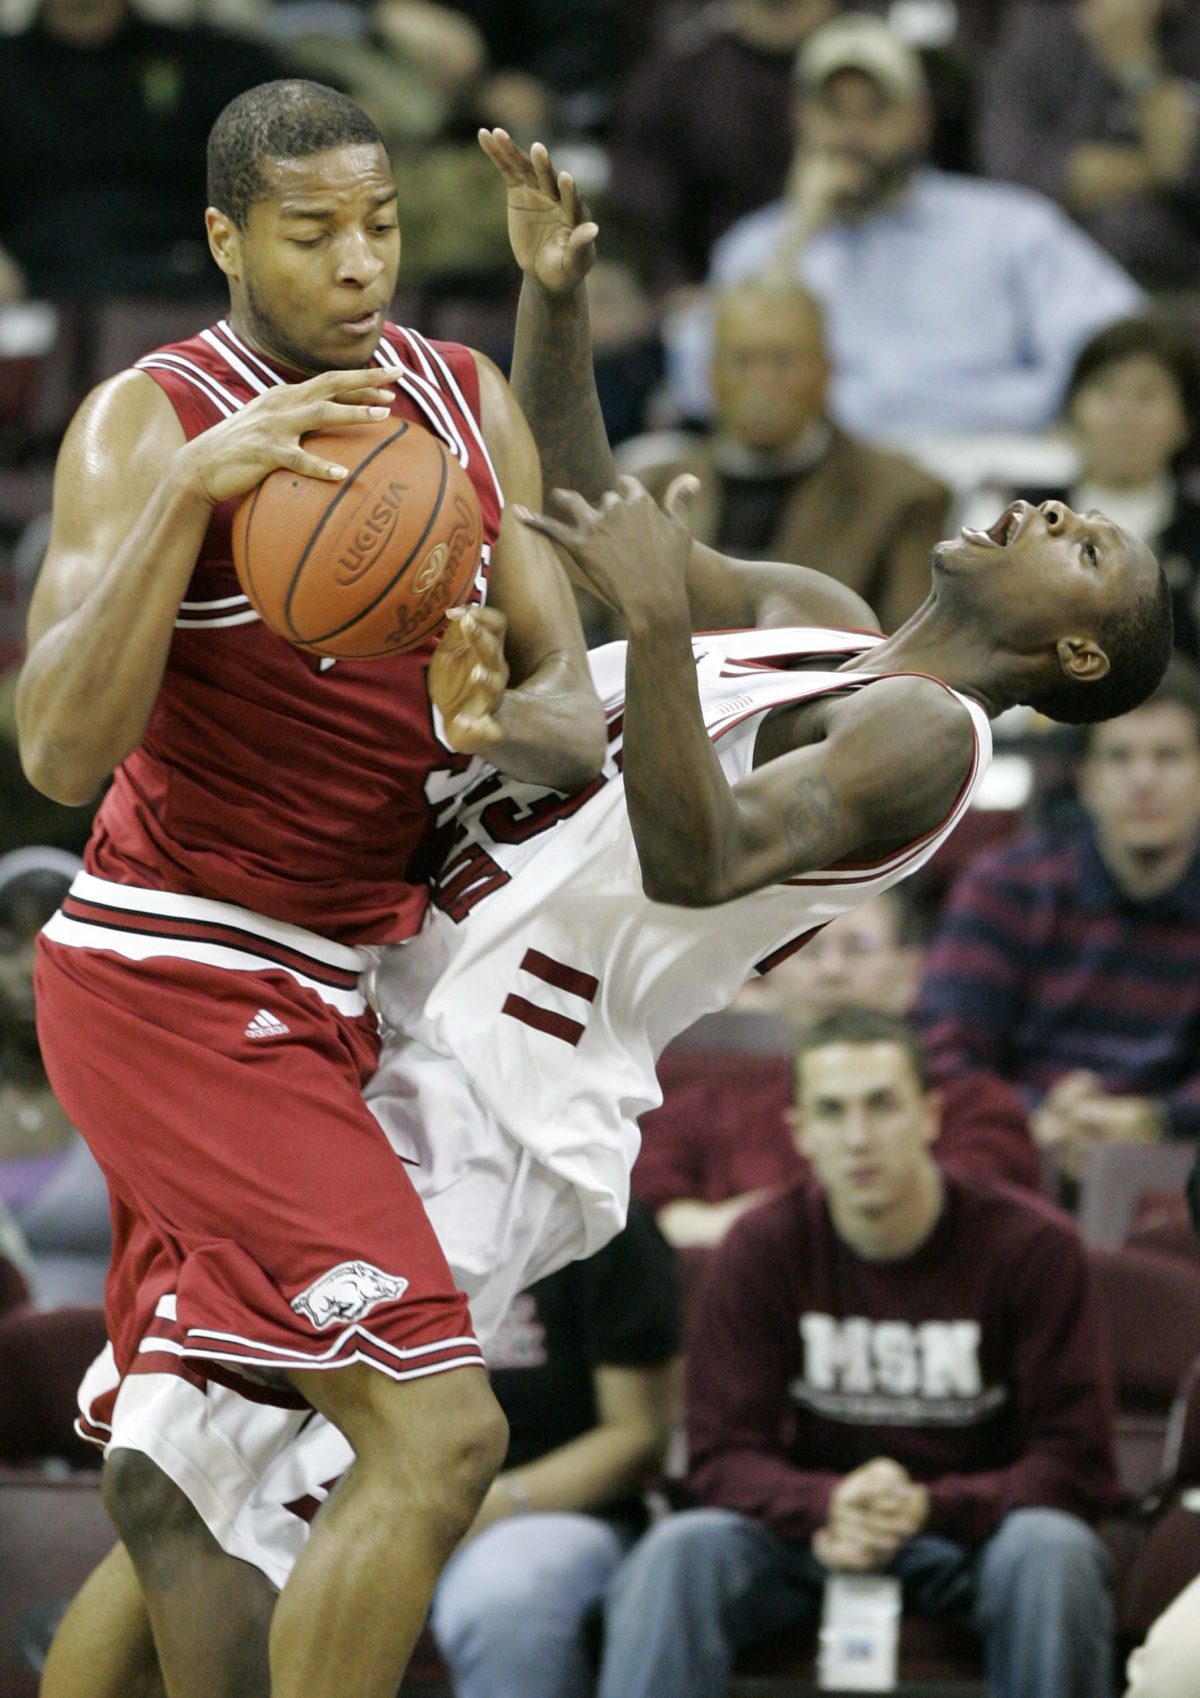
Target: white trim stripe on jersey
354,1344
212,615
142,925
233,362
246,617
419,342
215,606
426,398
142,900
209,386
229,334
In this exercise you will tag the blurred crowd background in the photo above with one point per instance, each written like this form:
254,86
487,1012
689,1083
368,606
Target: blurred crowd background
871,272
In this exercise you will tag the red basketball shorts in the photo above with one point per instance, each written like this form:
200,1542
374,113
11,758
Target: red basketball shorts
215,1062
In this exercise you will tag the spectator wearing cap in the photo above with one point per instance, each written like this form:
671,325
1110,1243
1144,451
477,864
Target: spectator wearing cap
1095,104
779,480
722,1139
892,1370
1068,964
952,304
48,1178
1132,407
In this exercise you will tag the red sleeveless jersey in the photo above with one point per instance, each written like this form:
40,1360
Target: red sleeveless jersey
269,777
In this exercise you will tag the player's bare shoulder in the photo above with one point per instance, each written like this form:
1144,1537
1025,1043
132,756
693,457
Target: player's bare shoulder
110,462
127,421
905,747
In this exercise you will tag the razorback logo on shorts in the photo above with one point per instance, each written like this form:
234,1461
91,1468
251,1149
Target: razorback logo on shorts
348,1292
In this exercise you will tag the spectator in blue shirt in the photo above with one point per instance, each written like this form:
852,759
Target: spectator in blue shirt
1070,963
952,303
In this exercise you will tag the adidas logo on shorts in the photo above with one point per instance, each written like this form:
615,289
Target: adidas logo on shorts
265,1025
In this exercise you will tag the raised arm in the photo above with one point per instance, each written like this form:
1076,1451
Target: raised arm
544,723
553,238
868,773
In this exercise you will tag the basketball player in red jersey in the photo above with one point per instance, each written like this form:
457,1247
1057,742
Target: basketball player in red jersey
198,993
640,561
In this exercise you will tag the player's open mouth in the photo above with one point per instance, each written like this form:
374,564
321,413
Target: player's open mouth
1003,532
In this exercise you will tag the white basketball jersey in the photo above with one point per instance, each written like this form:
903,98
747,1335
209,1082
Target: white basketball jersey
546,971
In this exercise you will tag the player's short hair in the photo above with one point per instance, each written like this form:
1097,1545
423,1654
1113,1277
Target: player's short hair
862,1026
1138,642
289,119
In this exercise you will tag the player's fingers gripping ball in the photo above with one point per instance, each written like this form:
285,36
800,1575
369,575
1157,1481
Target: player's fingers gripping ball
368,566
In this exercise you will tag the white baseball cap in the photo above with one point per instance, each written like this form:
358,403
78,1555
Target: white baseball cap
859,41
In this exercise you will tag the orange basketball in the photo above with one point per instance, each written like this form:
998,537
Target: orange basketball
367,566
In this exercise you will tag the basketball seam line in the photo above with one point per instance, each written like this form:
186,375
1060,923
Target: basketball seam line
414,551
324,520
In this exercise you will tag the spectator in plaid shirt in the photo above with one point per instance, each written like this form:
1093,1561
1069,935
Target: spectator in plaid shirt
1069,963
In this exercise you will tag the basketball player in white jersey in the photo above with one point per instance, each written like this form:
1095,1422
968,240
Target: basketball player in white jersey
757,784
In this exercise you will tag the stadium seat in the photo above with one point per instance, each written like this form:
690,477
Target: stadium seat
1117,1176
1152,1307
1164,1227
14,1292
1169,1556
43,1357
53,1532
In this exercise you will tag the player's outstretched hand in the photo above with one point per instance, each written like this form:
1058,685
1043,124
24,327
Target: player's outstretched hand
238,453
632,552
552,232
468,676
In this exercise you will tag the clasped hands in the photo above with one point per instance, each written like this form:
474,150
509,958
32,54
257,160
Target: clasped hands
872,1512
1077,1111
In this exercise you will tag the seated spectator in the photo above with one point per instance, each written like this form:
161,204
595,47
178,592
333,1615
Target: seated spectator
554,64
1069,963
893,1370
952,304
778,481
1133,406
583,1369
409,62
1094,104
702,135
49,1179
104,120
1167,1665
722,1140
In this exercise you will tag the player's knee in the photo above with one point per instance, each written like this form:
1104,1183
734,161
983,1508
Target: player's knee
454,1437
141,1501
465,1452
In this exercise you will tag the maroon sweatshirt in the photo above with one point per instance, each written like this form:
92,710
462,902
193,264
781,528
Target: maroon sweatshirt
978,1363
721,1129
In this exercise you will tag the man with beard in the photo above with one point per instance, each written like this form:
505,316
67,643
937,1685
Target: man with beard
952,303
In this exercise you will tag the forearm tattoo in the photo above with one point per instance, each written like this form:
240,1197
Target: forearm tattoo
810,821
